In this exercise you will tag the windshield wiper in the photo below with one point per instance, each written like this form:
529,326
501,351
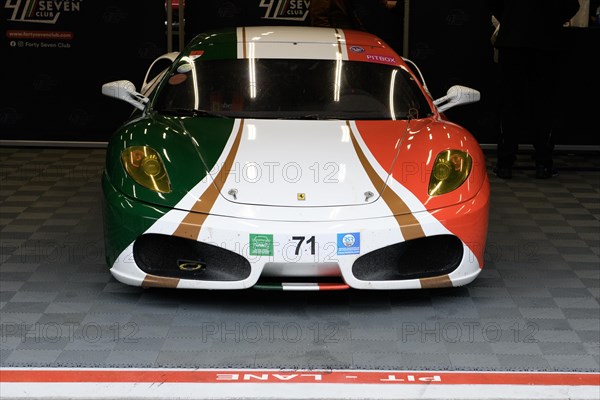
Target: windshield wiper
320,116
190,112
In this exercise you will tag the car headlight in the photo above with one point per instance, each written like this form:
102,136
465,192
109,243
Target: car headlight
145,166
450,169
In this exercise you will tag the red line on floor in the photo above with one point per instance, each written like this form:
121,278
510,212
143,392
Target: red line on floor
301,376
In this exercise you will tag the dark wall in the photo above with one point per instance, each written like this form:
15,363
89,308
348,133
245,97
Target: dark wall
450,41
579,105
55,61
53,92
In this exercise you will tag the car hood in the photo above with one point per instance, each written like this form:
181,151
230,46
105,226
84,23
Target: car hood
300,163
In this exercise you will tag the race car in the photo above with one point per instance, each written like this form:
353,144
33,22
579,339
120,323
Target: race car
292,158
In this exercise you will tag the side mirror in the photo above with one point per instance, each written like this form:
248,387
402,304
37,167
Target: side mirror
455,96
125,90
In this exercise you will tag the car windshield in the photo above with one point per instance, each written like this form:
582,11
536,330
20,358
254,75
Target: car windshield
291,89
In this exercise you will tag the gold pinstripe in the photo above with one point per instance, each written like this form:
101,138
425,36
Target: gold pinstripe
243,43
160,281
441,281
409,225
190,227
339,42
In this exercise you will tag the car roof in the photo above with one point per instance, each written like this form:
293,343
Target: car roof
288,34
292,42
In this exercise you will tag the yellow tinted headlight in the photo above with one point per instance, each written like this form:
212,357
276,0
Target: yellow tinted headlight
145,166
450,169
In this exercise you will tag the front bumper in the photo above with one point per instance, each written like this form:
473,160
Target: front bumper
238,253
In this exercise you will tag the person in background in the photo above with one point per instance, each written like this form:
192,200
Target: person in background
594,13
529,43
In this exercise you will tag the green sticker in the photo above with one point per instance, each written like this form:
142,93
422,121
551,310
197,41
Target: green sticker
261,245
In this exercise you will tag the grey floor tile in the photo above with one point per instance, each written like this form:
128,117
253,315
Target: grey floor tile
108,319
573,363
516,348
533,307
483,349
474,361
520,362
578,302
32,358
124,358
426,361
563,349
33,297
47,340
68,308
542,313
556,337
535,302
140,344
586,324
10,339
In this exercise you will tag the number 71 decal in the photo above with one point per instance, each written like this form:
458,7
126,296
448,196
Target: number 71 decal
300,239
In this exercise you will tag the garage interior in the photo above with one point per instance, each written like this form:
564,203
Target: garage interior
534,307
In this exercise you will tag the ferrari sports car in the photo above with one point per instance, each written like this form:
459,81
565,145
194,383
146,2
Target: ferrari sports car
294,158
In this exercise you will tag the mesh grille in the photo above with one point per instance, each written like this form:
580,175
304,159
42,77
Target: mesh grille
413,259
176,257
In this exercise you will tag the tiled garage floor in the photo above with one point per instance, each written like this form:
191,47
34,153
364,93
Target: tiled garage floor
535,305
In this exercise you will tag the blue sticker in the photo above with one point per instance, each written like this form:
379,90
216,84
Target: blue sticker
348,243
357,49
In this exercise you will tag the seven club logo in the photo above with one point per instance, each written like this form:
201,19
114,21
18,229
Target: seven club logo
41,11
289,10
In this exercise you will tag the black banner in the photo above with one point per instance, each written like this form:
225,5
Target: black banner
201,15
56,56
